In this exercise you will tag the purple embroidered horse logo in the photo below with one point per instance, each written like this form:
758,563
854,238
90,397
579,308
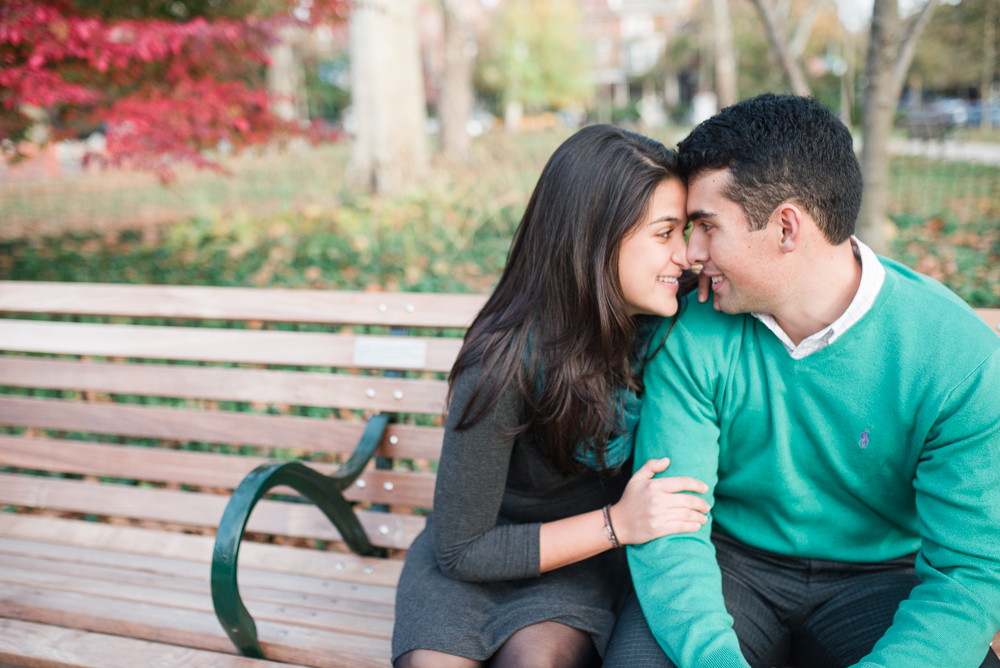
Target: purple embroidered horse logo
863,443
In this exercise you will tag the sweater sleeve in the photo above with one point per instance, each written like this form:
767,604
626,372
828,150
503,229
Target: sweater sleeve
472,473
676,577
951,616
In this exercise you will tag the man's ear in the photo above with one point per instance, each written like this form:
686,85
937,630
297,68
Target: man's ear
790,220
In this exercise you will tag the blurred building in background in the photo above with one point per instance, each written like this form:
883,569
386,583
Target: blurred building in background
629,39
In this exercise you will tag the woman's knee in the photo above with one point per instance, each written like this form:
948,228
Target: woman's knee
547,645
426,658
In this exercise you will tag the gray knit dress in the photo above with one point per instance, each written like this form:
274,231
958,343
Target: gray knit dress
471,579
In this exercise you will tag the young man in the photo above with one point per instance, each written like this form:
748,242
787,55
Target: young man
844,412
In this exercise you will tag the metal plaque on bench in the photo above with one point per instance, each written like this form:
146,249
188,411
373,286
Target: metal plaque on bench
390,352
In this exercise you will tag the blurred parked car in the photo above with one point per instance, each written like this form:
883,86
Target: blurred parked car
932,121
956,108
976,114
480,122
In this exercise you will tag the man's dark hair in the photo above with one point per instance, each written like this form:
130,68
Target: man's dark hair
781,148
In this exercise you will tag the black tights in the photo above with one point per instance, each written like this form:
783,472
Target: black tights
544,645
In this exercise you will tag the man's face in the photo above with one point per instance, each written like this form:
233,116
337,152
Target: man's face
738,261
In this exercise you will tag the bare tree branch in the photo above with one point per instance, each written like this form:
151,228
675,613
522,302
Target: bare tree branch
779,42
804,29
909,46
784,8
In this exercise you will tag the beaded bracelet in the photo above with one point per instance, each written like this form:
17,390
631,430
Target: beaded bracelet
609,531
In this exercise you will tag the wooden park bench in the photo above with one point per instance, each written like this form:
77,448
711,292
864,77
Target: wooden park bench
135,404
130,414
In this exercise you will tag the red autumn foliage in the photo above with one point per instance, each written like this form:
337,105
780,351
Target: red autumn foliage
164,91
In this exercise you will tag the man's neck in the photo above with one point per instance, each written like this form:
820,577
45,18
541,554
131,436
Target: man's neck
822,292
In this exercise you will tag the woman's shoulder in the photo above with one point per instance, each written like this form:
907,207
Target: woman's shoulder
490,391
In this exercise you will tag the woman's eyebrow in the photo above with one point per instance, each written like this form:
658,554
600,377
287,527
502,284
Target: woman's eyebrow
665,219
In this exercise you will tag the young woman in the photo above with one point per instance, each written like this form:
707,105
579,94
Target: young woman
515,566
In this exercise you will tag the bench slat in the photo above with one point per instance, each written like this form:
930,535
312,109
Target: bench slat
108,583
194,468
187,555
375,596
33,556
992,318
267,304
279,387
269,517
276,431
45,645
281,642
208,344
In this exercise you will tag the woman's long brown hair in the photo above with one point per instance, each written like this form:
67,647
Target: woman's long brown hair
557,324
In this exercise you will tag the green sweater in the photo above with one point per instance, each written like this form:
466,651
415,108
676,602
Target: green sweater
883,443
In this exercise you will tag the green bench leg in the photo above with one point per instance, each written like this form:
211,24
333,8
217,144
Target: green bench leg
325,491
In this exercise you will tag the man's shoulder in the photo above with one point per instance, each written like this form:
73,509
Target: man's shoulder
698,335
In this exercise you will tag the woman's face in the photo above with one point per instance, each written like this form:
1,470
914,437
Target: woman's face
654,253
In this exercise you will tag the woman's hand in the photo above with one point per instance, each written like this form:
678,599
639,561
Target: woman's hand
655,507
648,509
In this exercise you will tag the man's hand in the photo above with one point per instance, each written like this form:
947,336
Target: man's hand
704,283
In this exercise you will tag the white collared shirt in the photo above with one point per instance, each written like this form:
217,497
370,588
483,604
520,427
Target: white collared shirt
872,278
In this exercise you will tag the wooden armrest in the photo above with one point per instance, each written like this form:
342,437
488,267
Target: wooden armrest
325,491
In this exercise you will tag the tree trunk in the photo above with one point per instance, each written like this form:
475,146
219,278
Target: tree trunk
889,59
989,58
456,91
778,36
389,152
286,79
725,55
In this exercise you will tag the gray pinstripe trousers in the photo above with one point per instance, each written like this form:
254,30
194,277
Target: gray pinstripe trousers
788,611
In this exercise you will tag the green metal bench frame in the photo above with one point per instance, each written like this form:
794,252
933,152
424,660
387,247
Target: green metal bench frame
325,491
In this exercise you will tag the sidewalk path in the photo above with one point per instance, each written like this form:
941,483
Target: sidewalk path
950,150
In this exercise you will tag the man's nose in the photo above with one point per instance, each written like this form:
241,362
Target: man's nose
697,250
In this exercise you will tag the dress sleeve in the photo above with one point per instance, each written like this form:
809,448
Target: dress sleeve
472,474
677,578
951,616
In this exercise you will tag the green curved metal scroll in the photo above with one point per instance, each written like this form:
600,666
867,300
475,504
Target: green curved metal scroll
325,491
